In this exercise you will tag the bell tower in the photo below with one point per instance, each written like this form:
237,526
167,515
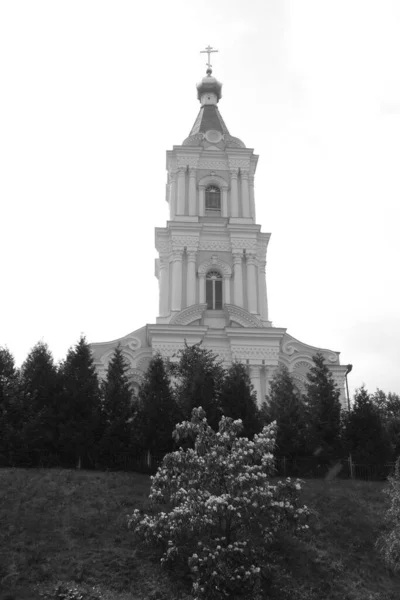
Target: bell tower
211,263
212,254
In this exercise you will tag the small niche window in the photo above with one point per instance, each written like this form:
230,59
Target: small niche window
214,290
213,200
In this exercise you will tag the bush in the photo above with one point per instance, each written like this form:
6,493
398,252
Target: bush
388,543
224,513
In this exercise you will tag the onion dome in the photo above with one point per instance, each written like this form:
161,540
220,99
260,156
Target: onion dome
209,89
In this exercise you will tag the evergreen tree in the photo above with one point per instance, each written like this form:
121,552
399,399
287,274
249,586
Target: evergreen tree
199,378
40,386
388,408
116,408
79,425
286,407
239,401
364,434
10,408
157,413
323,407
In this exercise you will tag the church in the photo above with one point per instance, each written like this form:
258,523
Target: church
211,264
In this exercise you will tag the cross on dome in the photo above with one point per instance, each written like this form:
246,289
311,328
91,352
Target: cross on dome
209,50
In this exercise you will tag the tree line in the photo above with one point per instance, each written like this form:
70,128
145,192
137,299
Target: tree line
63,415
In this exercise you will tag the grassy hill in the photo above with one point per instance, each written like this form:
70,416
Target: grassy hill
64,525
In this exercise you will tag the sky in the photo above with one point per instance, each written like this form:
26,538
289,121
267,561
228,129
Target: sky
93,93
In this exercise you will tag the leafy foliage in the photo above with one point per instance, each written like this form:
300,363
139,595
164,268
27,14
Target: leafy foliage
286,407
389,543
220,496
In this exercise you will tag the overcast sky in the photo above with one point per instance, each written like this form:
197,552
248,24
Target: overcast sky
93,93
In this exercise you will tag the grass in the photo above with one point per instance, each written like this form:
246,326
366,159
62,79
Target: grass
66,525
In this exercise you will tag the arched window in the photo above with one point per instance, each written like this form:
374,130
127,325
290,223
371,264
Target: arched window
214,290
213,200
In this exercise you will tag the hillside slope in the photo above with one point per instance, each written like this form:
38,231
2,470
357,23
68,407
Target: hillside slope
65,525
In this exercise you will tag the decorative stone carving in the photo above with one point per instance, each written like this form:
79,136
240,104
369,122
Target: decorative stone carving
302,364
288,348
244,244
133,343
189,314
167,348
234,142
254,352
239,163
163,247
143,363
262,244
214,261
251,260
223,352
291,345
241,316
216,245
135,375
187,161
213,164
180,241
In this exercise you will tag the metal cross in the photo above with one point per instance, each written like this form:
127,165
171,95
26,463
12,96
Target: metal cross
208,51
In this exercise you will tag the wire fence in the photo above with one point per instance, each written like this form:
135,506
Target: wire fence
317,468
144,461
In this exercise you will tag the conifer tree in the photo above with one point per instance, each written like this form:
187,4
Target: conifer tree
40,386
199,377
286,407
79,425
10,408
116,408
239,401
364,433
324,408
156,413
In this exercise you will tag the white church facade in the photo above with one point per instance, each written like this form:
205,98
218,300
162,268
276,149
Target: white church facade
211,264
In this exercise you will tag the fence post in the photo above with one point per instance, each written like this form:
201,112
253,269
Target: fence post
284,466
351,466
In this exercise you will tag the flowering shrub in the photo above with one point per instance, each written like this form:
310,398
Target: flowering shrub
224,513
389,543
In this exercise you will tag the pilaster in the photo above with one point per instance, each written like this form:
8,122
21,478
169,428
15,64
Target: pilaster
234,193
181,191
244,178
252,283
164,286
191,278
192,191
238,278
176,300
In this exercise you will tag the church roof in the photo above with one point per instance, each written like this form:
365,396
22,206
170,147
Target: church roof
209,118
